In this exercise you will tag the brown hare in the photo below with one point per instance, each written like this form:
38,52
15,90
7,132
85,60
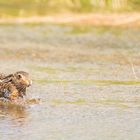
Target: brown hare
14,85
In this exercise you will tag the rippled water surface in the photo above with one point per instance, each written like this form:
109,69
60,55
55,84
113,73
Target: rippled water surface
87,80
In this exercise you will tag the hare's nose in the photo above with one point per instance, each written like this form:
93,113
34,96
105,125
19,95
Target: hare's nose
30,83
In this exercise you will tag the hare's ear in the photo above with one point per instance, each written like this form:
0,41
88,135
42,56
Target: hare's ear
7,78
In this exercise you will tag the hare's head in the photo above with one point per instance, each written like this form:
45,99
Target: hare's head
22,78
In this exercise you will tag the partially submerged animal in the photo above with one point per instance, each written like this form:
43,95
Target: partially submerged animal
14,86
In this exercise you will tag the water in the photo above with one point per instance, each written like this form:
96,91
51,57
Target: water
84,80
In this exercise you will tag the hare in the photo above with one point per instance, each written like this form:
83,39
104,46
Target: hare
14,85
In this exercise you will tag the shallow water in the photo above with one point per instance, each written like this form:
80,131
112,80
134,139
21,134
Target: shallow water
83,78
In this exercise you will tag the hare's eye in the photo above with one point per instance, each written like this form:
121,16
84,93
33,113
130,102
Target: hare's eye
19,76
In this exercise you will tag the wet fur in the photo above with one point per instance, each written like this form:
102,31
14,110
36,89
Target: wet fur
14,84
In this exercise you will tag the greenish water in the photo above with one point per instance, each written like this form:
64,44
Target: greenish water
97,82
84,85
82,29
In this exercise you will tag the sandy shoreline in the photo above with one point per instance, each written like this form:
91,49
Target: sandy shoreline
122,19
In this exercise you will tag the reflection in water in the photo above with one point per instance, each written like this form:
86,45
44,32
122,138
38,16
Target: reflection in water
13,119
15,112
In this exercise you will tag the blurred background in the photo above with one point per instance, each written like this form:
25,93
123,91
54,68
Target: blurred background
84,59
44,7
